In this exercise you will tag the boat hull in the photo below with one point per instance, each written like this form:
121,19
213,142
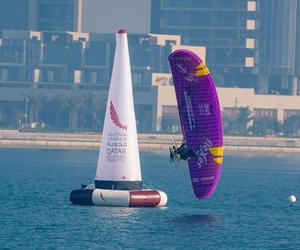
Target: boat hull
119,198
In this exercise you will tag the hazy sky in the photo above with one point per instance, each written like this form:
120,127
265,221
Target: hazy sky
108,16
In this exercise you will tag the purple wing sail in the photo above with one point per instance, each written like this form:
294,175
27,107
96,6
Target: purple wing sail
200,119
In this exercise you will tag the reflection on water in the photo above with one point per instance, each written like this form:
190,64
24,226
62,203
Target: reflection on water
197,219
114,212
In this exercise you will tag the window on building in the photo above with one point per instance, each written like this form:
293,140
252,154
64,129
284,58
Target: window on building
55,75
259,113
251,6
56,16
12,51
250,43
171,42
137,78
169,110
101,77
77,76
12,15
29,75
249,62
230,112
250,24
291,112
36,75
92,77
50,76
227,19
33,53
96,53
4,75
170,119
143,114
55,53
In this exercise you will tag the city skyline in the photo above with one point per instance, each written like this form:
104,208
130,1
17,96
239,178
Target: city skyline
58,62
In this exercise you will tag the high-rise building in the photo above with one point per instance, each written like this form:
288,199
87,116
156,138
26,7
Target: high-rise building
41,15
250,43
14,14
59,15
225,28
276,45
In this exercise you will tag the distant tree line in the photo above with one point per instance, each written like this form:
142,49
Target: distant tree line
58,112
65,112
86,113
245,124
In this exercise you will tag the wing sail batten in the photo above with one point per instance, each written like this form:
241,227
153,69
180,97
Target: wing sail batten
200,119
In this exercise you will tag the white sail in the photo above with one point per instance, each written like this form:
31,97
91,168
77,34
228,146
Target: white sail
119,162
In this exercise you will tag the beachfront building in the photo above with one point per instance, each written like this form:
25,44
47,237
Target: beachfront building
272,107
250,43
73,64
38,67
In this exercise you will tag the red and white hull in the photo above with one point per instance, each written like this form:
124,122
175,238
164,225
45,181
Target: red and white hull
119,198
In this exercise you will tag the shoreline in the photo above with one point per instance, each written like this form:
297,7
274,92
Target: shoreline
147,142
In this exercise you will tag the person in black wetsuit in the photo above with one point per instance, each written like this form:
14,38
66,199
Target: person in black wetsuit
181,153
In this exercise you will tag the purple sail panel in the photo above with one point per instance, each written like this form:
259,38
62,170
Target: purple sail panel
200,119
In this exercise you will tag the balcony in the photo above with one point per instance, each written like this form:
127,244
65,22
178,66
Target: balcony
55,85
198,6
15,84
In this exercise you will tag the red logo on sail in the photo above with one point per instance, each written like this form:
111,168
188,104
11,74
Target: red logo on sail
115,118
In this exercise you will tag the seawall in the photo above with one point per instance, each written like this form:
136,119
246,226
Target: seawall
147,142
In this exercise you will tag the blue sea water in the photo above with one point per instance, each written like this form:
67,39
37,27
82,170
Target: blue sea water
249,210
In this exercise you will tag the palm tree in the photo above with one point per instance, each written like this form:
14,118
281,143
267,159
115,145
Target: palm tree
243,119
147,121
3,119
238,124
291,126
266,126
227,123
11,114
74,104
92,112
36,101
57,112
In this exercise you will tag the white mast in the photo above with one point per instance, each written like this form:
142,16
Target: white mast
119,162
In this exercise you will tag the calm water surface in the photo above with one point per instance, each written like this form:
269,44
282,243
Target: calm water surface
249,209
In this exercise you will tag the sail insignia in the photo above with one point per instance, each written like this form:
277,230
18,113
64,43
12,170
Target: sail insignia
115,117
